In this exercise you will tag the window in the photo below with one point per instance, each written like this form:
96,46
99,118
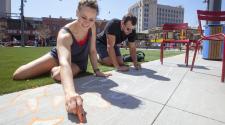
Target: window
146,25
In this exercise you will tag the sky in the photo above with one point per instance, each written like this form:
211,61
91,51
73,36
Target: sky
108,8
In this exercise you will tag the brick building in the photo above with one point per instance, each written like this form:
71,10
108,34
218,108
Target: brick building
36,28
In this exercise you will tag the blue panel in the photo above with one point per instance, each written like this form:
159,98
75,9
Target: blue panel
205,50
206,43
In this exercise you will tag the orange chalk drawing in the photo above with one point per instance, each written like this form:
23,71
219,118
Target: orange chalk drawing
26,103
33,104
57,101
10,103
47,121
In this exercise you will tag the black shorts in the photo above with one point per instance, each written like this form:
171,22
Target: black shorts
102,50
81,64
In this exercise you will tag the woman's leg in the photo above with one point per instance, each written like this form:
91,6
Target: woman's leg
35,68
55,72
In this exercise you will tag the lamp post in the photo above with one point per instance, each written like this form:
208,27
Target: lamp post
210,48
213,5
22,22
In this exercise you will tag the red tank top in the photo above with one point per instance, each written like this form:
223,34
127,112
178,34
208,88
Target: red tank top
83,41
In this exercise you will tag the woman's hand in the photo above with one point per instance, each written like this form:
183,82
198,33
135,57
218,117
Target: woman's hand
74,104
100,74
72,101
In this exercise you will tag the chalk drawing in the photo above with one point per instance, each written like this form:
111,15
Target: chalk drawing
32,104
58,100
9,103
47,121
29,101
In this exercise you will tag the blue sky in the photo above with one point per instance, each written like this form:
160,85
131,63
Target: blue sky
108,8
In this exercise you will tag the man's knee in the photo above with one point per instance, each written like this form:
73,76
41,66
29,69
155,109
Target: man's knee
120,60
106,61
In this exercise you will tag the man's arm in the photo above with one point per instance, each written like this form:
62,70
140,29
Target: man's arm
111,40
93,54
132,48
133,54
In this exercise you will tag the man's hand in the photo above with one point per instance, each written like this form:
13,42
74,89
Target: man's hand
74,104
137,66
122,68
100,74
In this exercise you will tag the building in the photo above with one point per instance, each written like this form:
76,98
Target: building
51,26
150,14
3,28
45,28
168,14
145,11
5,8
10,29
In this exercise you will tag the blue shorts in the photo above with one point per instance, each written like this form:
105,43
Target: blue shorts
102,50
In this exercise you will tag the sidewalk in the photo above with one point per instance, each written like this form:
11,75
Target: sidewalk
168,94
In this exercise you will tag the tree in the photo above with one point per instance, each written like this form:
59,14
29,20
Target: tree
43,32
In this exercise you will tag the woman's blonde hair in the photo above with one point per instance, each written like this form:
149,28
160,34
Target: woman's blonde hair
88,3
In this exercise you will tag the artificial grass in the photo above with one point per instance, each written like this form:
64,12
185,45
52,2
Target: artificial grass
13,57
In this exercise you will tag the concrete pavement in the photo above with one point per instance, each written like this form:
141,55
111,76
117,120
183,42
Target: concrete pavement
168,94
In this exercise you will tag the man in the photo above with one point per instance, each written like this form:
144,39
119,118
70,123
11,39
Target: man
115,32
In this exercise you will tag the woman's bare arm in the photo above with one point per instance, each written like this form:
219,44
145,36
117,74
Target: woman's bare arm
64,42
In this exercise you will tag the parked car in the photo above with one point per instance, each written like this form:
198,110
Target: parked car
53,43
29,43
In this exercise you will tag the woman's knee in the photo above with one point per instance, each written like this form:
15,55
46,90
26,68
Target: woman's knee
55,73
19,74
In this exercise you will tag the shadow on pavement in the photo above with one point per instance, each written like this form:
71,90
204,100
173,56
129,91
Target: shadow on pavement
195,66
146,72
104,87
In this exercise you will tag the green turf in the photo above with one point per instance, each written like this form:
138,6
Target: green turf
12,58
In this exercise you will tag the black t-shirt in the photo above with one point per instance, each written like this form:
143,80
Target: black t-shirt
113,27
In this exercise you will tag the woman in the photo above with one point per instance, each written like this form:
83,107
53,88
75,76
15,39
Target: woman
75,41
